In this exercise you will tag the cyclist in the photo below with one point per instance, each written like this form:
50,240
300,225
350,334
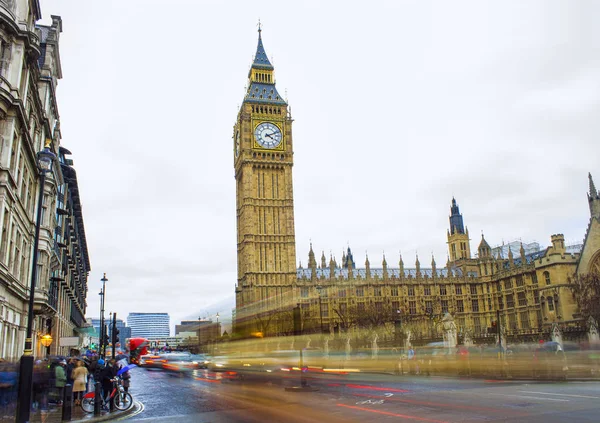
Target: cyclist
106,374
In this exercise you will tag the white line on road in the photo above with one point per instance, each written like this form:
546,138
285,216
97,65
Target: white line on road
538,398
562,395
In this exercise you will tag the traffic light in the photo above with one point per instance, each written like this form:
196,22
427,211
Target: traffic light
115,338
106,340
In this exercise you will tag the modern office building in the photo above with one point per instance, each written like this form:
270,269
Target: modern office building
528,287
30,68
149,325
124,330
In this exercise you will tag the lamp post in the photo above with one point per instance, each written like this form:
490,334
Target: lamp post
45,158
102,347
320,288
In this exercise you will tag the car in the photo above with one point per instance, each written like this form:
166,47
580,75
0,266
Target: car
150,361
183,362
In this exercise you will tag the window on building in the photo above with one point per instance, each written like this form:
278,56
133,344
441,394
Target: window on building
395,307
497,286
342,293
443,290
524,320
377,291
343,309
428,307
444,306
473,289
521,298
304,292
475,305
325,310
534,278
510,301
550,304
379,306
361,307
360,292
477,324
412,307
507,284
458,289
460,307
536,296
411,291
501,303
547,278
519,280
394,291
512,321
540,320
427,290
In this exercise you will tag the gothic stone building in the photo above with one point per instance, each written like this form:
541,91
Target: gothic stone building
526,287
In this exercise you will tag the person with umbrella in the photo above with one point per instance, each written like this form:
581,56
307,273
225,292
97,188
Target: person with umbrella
125,375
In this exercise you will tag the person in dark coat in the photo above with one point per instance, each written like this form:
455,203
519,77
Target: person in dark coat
41,384
106,374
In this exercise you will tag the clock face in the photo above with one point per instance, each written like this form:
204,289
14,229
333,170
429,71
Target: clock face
268,135
237,143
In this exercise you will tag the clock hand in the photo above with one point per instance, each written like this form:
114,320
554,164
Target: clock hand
269,135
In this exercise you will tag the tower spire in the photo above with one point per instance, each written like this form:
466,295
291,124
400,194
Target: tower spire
593,192
594,198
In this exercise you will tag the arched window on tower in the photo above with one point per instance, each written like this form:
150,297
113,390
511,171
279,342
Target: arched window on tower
547,277
550,303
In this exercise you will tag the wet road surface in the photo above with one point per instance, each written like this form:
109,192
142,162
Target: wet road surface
210,397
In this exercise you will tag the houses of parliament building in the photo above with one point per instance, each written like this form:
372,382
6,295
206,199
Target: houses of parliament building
528,288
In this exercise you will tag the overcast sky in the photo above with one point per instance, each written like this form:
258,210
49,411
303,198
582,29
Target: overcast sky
398,106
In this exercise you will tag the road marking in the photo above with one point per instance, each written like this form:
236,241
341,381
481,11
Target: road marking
374,388
562,395
387,413
446,405
525,396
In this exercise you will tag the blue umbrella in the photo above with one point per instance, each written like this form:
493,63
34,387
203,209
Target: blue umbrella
125,369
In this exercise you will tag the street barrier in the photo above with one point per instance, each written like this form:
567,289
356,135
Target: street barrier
67,407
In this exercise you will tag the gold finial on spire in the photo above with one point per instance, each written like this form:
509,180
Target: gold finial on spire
47,143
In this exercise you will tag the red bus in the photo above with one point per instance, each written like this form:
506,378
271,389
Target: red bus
137,347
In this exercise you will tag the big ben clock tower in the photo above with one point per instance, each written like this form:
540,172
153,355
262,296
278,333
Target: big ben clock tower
263,159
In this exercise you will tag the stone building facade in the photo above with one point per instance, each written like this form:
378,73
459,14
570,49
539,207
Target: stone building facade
30,68
527,289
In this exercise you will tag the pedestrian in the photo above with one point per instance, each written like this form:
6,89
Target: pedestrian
126,376
60,379
69,370
8,382
107,373
80,376
411,360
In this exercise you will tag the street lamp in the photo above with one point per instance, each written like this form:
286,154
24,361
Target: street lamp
45,158
320,288
102,350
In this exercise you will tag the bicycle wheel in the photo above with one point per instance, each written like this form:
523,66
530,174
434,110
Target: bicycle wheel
87,405
123,401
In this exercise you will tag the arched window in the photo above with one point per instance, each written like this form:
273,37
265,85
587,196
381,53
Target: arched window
547,277
550,303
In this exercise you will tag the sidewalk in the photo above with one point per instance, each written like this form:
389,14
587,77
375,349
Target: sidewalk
54,415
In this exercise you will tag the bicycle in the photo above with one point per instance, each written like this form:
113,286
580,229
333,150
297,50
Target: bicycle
121,400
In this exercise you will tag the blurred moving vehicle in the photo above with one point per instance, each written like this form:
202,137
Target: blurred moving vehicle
183,363
150,361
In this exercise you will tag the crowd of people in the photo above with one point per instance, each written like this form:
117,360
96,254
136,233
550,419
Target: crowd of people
52,374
